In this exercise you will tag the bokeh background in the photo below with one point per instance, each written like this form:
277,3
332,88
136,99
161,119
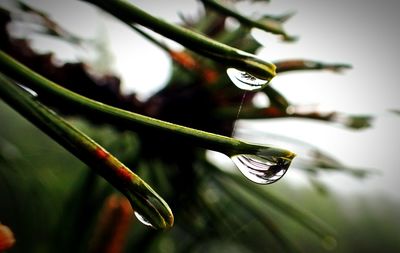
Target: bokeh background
364,34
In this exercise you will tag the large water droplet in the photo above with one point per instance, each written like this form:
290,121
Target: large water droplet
244,80
143,220
261,170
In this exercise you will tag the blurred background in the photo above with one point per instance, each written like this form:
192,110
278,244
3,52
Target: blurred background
38,177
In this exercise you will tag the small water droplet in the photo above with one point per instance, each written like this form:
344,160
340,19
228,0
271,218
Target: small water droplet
29,90
244,80
142,219
261,170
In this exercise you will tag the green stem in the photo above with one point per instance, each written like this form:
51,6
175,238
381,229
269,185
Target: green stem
143,198
269,25
151,38
125,119
271,112
276,98
229,56
300,64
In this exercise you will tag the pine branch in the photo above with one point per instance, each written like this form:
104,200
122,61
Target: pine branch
143,198
229,56
130,120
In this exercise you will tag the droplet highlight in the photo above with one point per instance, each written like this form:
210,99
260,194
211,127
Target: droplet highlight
143,220
244,80
261,170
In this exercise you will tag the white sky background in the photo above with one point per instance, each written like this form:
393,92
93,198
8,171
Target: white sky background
364,34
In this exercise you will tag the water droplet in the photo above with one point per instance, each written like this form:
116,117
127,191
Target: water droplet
29,90
261,170
244,80
143,220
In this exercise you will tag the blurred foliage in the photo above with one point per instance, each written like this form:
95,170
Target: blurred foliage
53,203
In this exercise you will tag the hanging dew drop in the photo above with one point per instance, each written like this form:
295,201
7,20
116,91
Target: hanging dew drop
244,80
261,170
142,219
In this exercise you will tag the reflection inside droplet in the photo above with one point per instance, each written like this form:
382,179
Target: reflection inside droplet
244,80
261,170
142,219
